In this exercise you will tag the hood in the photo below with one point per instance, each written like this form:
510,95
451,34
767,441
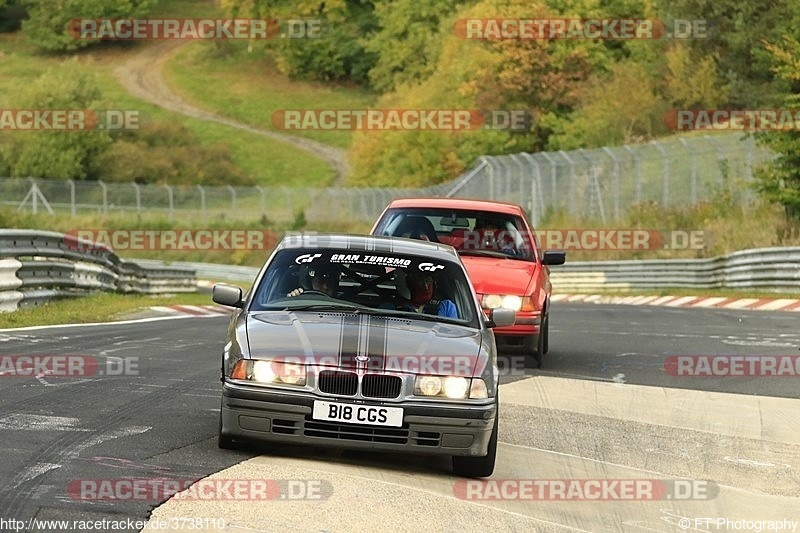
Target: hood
344,340
491,275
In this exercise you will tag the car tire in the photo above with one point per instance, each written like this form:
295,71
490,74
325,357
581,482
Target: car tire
224,442
545,333
466,466
534,348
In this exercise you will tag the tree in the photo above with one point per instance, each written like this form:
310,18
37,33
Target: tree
779,181
60,154
48,19
407,43
737,31
337,54
542,77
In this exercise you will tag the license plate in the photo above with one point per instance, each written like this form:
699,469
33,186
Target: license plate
351,413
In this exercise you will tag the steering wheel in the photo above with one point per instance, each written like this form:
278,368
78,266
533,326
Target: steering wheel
313,291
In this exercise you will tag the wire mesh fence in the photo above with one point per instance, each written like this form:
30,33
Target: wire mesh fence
600,183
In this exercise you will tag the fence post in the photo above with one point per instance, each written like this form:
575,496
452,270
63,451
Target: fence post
571,188
720,157
748,158
521,174
233,198
171,200
491,178
693,184
506,181
138,193
72,207
638,166
105,195
552,162
262,195
665,158
536,189
615,184
202,200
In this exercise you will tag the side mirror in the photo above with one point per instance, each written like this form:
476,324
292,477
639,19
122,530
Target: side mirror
554,257
227,295
502,317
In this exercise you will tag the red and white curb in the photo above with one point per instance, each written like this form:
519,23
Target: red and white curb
192,310
716,302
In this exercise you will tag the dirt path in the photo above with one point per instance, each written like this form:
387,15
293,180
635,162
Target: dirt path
142,76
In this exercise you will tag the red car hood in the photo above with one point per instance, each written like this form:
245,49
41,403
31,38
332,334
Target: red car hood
499,276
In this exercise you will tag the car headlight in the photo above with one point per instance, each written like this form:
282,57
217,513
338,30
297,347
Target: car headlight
428,385
508,301
452,387
456,387
492,301
270,372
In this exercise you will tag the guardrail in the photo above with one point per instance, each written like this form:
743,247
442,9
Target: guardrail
36,266
763,269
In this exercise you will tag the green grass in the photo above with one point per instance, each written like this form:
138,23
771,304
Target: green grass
682,291
65,224
268,161
246,87
99,307
728,226
186,9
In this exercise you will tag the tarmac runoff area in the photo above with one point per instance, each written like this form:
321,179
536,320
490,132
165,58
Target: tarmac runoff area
748,445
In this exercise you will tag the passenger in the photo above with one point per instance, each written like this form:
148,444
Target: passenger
493,236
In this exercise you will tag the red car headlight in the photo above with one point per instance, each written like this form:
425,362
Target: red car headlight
508,301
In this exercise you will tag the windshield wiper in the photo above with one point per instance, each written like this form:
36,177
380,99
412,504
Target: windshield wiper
324,307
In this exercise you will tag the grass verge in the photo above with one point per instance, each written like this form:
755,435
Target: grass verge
681,291
98,307
268,161
247,87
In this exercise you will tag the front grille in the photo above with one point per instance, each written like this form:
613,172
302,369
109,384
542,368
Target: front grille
427,438
284,427
334,430
337,382
381,386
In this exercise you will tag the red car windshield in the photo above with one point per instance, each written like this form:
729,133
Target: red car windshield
468,231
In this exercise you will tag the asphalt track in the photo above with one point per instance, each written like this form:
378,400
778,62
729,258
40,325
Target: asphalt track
602,408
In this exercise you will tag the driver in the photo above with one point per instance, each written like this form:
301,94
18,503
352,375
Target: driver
324,278
421,287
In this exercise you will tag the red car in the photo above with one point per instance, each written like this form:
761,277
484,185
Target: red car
500,251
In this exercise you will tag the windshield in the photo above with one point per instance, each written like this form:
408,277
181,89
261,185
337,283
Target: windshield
313,279
471,232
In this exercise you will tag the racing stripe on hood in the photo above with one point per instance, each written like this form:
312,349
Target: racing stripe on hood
376,343
348,341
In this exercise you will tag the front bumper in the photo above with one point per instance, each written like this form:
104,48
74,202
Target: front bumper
442,429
